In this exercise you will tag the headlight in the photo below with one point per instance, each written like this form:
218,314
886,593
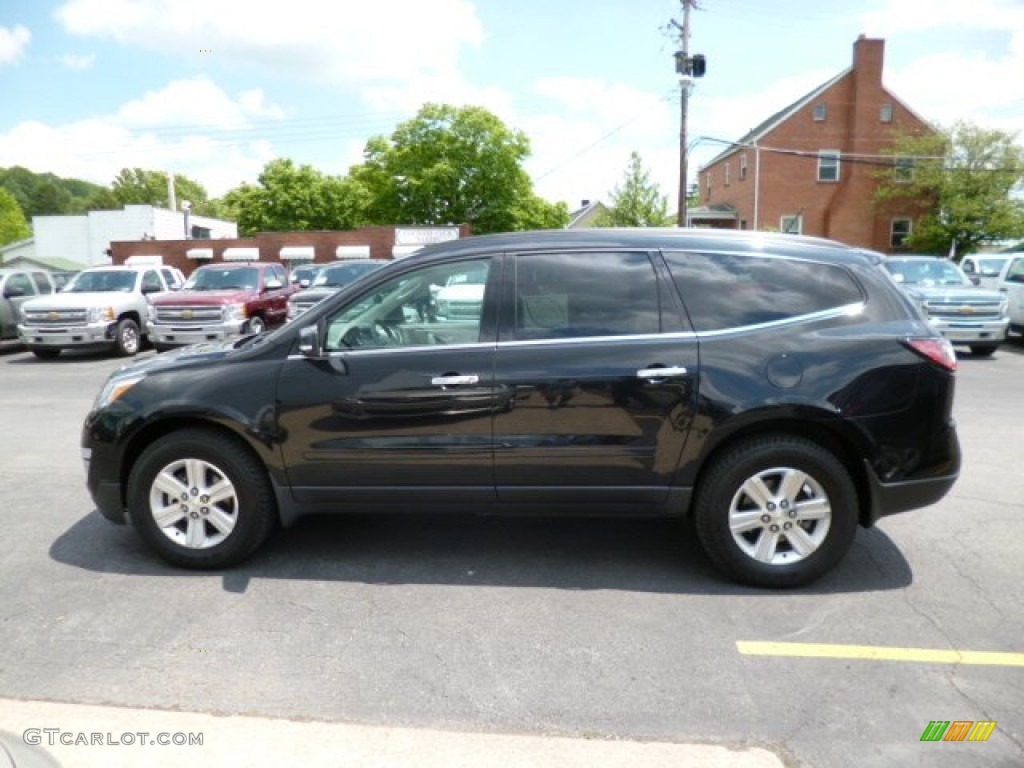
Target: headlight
115,387
1004,306
101,314
235,312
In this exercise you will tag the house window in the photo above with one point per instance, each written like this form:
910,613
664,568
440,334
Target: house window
903,171
743,167
828,165
727,169
792,225
899,231
819,113
885,113
743,223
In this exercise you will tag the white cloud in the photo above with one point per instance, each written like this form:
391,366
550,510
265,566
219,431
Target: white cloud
335,41
13,43
891,17
73,61
190,126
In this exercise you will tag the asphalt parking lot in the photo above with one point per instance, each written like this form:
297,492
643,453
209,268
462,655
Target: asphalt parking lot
598,629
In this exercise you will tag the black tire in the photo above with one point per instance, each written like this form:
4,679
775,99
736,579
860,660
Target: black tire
45,353
256,324
983,350
127,338
764,462
249,510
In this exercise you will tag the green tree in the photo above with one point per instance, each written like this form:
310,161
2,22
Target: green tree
454,165
44,194
966,175
13,224
637,201
296,198
135,186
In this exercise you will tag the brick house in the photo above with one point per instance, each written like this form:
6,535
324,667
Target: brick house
813,167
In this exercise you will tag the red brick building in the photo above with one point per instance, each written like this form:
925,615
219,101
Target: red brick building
289,248
813,167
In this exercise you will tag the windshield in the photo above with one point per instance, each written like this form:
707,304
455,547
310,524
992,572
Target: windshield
336,277
990,267
107,281
224,279
926,273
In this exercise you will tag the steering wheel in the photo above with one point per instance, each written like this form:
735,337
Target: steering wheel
389,334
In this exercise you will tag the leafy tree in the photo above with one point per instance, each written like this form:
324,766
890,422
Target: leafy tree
637,201
43,194
135,186
966,175
452,165
296,198
13,224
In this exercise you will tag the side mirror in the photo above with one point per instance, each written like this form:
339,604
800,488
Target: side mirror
975,280
13,292
309,342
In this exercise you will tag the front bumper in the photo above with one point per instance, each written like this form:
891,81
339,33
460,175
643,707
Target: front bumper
972,332
166,335
69,336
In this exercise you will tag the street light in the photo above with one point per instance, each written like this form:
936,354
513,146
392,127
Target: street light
186,208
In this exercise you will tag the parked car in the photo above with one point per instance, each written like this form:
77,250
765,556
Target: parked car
303,275
778,389
101,308
1011,285
983,269
16,287
955,307
221,301
329,280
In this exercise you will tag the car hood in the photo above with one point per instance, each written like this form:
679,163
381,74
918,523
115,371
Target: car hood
206,298
315,294
953,294
205,352
72,300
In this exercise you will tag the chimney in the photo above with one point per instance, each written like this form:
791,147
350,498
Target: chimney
584,203
868,58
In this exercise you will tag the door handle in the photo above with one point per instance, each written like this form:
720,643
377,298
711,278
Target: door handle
661,373
453,381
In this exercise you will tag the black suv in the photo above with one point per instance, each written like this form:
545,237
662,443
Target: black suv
779,390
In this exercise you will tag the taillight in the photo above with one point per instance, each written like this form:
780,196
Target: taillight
939,351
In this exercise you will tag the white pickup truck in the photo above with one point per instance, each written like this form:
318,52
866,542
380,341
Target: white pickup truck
1011,282
103,307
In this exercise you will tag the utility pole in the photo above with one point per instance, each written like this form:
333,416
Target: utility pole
688,68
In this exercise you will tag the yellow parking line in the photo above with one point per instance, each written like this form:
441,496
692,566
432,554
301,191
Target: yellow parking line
879,653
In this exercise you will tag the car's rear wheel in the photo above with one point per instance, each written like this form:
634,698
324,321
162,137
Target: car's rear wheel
776,511
201,499
127,338
983,350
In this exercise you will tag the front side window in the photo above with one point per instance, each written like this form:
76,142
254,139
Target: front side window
151,282
439,304
574,295
723,291
42,283
1015,274
18,285
899,231
828,165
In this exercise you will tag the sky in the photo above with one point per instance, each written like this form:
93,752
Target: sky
214,89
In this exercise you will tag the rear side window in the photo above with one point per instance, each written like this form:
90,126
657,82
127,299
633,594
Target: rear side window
571,295
730,291
42,283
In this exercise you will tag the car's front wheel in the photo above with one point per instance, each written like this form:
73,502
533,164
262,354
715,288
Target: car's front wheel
127,338
256,324
201,499
776,511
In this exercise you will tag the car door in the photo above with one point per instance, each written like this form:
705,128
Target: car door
601,366
397,405
276,293
1011,283
16,289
